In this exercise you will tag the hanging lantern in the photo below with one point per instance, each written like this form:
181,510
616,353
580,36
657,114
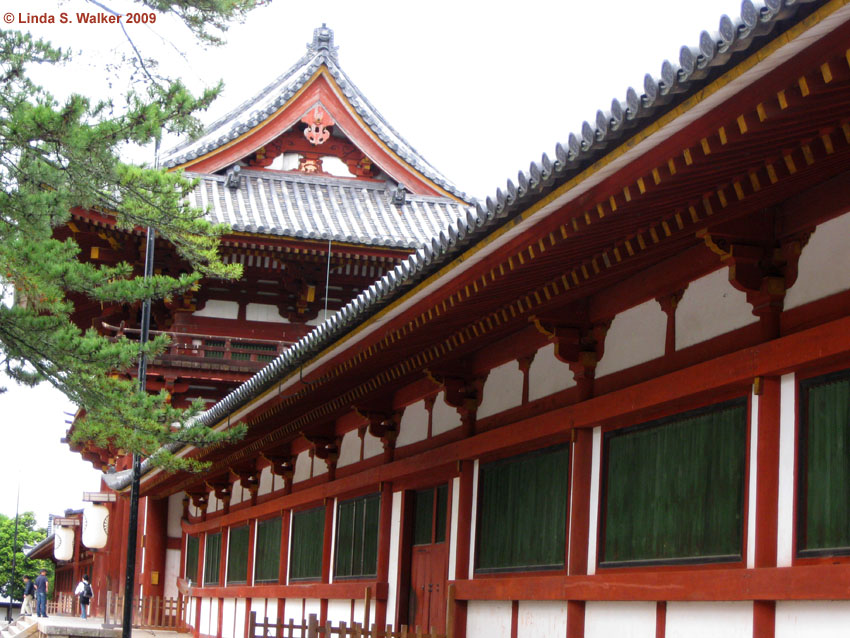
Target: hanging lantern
63,543
95,526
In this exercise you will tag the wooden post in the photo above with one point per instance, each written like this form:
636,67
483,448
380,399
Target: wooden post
367,604
342,629
313,627
450,612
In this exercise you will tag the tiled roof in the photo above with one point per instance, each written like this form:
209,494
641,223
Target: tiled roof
314,207
254,111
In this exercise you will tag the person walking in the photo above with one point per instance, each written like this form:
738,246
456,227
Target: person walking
85,593
29,592
42,586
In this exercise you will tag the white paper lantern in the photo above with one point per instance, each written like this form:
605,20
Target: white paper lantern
63,543
95,526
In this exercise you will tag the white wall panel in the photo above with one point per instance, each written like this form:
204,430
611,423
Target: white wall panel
751,505
711,307
292,608
240,618
826,252
537,618
172,572
228,617
547,375
595,473
266,482
414,424
360,611
709,620
395,544
219,309
349,449
204,620
372,446
264,312
621,619
453,527
636,336
787,454
175,514
237,494
302,467
502,389
812,618
444,417
339,611
488,619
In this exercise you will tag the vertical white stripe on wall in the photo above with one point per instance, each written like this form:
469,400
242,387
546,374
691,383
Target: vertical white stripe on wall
395,541
474,516
751,493
572,502
453,532
289,547
333,541
253,557
592,522
787,452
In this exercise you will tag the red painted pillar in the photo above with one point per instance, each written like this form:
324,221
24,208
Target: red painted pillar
767,498
463,552
326,556
384,537
579,524
155,540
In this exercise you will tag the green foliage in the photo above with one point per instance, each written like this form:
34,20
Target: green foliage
29,535
55,157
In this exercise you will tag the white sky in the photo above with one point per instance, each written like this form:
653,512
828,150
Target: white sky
480,89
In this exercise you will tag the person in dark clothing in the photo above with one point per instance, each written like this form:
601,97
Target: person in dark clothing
29,592
42,585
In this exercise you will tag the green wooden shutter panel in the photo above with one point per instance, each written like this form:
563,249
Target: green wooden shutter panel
212,558
237,556
192,558
825,452
267,561
308,532
440,523
423,517
674,489
522,512
357,537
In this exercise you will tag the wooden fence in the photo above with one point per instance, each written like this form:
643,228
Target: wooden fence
149,612
312,629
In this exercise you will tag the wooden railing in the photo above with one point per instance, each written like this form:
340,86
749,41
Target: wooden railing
149,612
63,605
312,629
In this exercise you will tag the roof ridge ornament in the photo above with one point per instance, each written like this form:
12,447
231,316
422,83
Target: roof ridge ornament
323,41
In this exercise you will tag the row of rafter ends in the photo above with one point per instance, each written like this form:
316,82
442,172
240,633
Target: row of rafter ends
484,218
361,106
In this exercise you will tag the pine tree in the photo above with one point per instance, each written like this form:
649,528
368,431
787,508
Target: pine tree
58,156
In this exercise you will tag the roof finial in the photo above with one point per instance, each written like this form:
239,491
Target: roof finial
323,41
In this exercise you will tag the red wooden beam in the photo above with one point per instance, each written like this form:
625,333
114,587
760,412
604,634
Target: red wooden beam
340,590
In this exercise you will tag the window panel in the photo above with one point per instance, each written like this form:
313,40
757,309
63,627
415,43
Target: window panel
237,556
192,545
267,560
305,556
824,523
441,511
357,537
212,559
423,517
674,489
522,510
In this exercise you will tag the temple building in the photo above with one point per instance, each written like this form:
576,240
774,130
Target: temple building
613,399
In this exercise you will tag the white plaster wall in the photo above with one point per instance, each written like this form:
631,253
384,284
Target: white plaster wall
488,619
710,620
547,375
321,317
444,417
812,618
824,266
175,514
372,446
213,616
751,505
302,467
395,543
190,612
236,495
264,312
228,617
172,571
193,511
266,482
787,454
360,611
312,606
241,615
219,309
292,609
453,528
538,618
349,449
339,611
414,424
595,472
621,619
213,503
204,625
475,469
271,608
502,389
319,467
636,336
711,307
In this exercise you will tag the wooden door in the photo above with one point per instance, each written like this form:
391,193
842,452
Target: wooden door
429,560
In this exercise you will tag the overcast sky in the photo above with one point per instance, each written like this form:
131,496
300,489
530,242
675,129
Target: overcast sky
480,89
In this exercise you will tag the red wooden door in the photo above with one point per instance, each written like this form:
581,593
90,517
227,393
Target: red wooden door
429,561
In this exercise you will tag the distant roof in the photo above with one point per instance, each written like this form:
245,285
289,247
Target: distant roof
322,207
321,51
